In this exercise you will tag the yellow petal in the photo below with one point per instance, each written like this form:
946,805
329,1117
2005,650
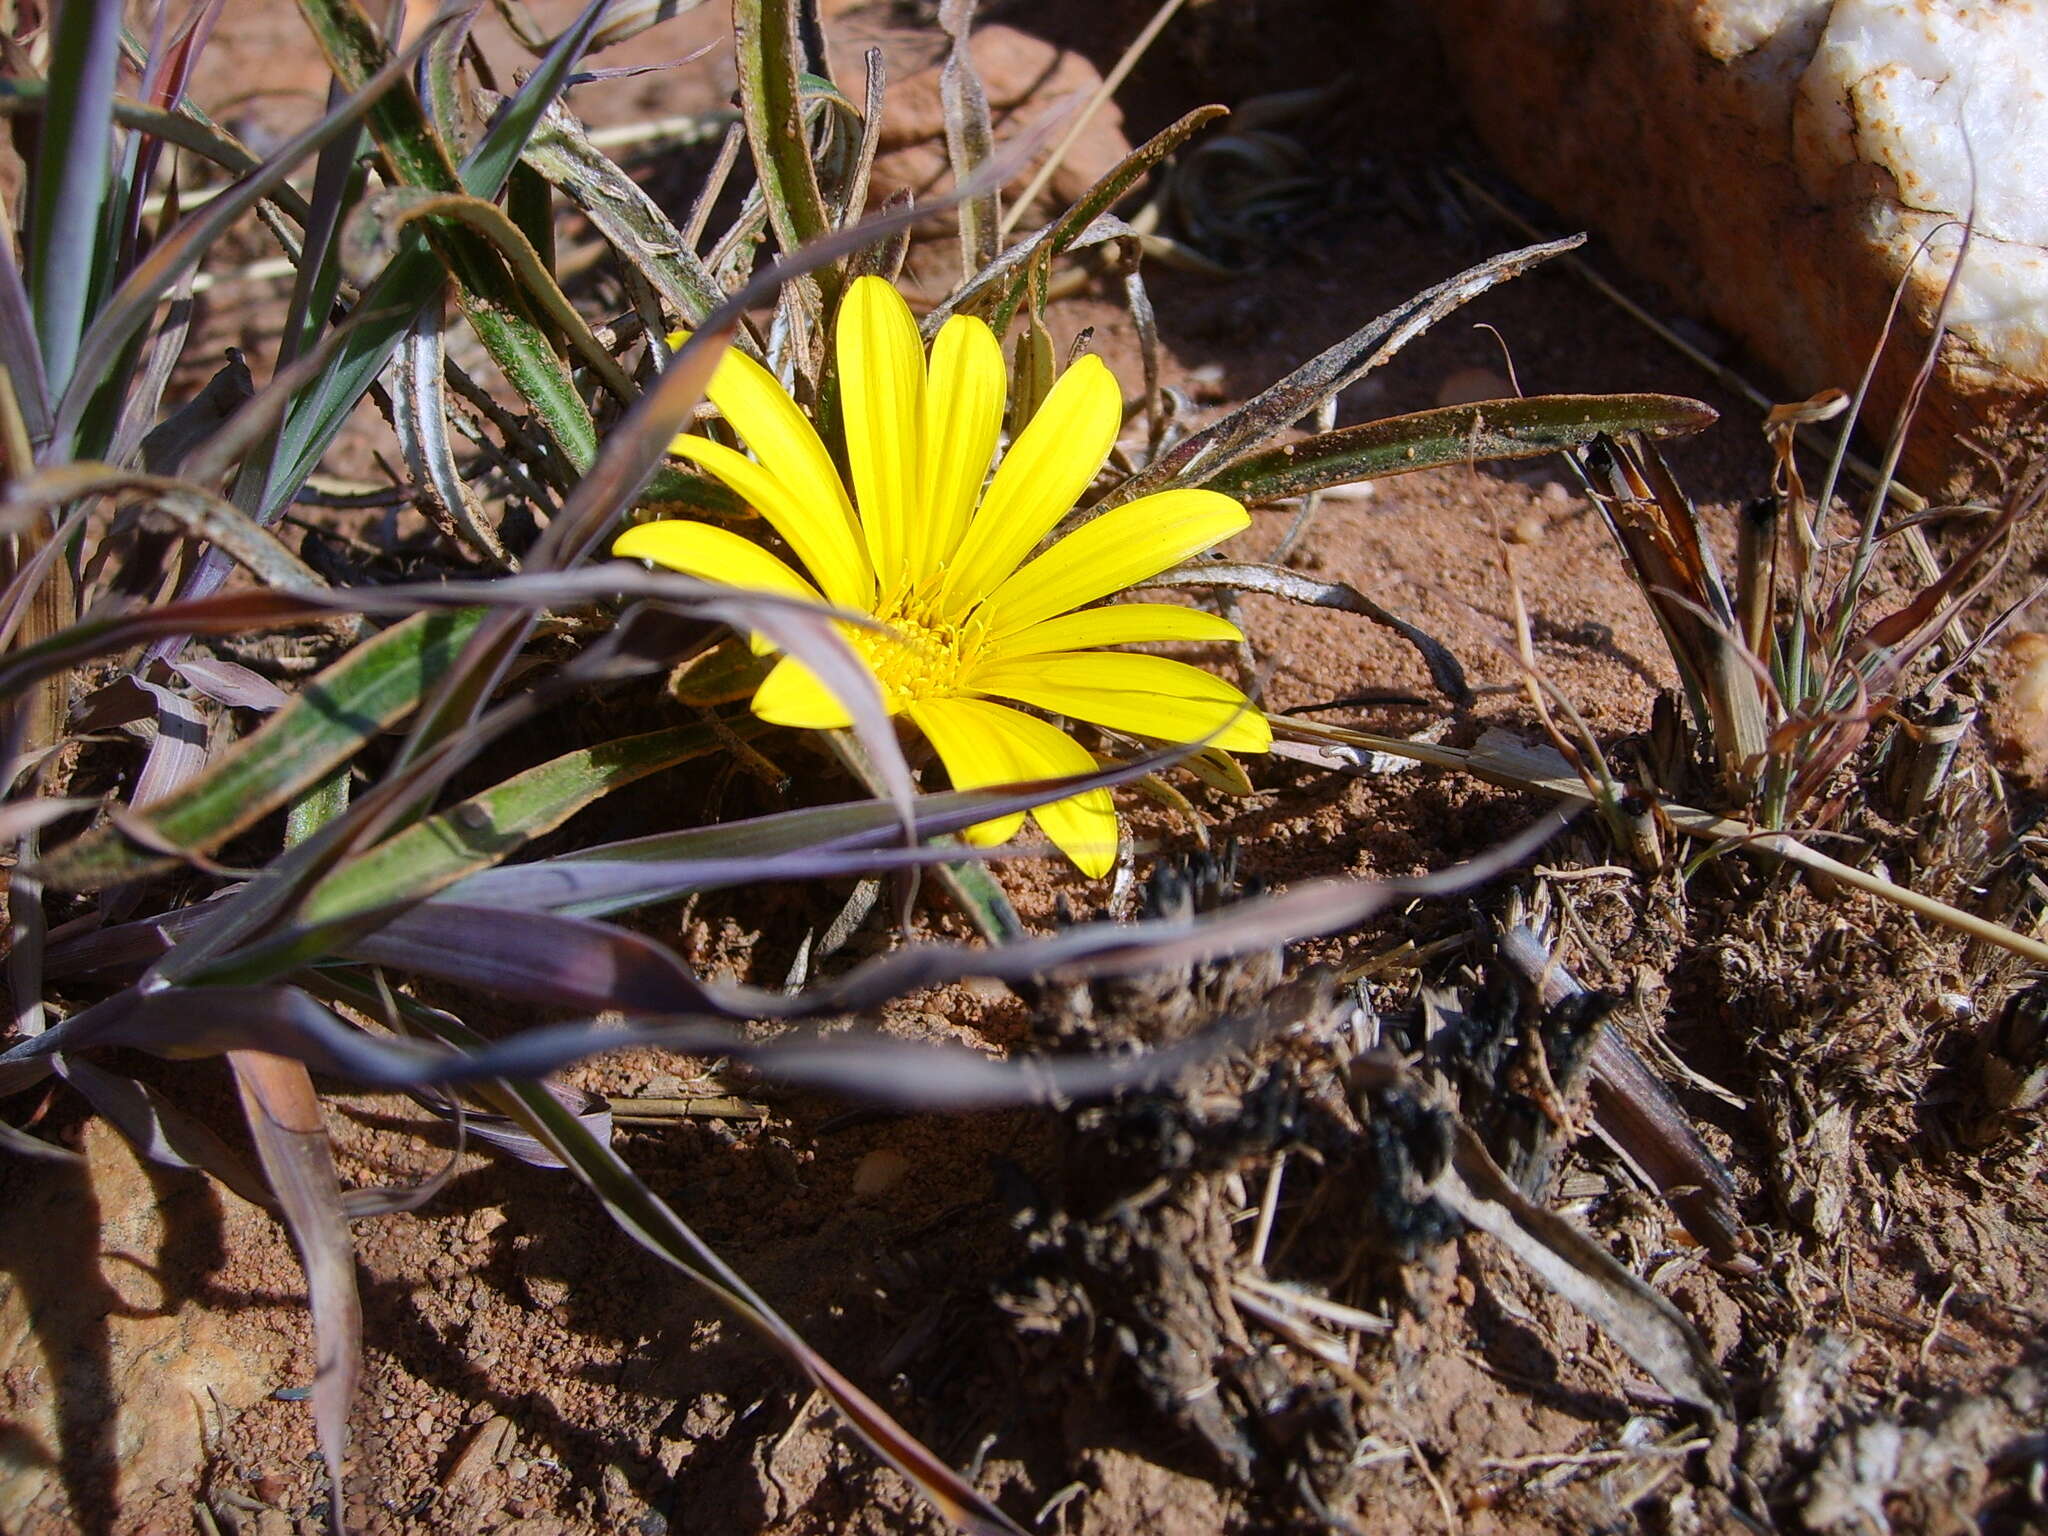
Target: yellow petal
975,756
781,436
824,542
792,695
1040,478
982,743
714,554
963,417
1118,624
881,394
1125,545
1145,695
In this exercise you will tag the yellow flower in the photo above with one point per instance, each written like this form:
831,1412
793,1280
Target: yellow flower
942,563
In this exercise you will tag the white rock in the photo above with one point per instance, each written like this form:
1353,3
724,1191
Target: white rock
1783,164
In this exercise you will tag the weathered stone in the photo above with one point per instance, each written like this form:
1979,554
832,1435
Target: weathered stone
112,1356
1778,164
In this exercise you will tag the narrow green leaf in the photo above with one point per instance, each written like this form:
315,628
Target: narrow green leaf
1199,455
626,216
489,298
1457,434
490,827
1098,200
74,162
188,128
116,325
412,280
334,715
765,40
512,124
405,205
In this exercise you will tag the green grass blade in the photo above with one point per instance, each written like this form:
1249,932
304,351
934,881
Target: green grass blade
771,105
409,204
74,163
626,216
349,703
410,280
649,1221
486,170
1458,434
489,298
491,826
116,326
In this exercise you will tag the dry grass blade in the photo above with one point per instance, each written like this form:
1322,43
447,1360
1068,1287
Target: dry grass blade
1656,525
1653,1332
970,139
1503,759
1116,76
1278,581
198,513
648,1219
1201,454
291,1139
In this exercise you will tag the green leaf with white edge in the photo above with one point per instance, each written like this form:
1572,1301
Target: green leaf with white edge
489,297
1457,434
1095,202
412,280
351,702
488,828
771,105
626,216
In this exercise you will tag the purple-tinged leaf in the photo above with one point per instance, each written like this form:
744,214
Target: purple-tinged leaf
19,816
592,1110
230,683
135,300
74,163
566,961
20,352
291,1139
612,963
178,750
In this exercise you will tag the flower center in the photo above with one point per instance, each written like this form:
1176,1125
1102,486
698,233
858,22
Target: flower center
924,652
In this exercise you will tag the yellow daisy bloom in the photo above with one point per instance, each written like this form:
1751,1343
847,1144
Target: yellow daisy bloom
941,562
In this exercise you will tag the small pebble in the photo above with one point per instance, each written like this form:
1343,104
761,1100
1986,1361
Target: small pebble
1528,529
882,1169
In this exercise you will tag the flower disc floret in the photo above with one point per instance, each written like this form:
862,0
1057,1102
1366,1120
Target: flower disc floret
967,614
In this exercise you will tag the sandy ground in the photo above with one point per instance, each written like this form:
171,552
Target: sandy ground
530,1370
